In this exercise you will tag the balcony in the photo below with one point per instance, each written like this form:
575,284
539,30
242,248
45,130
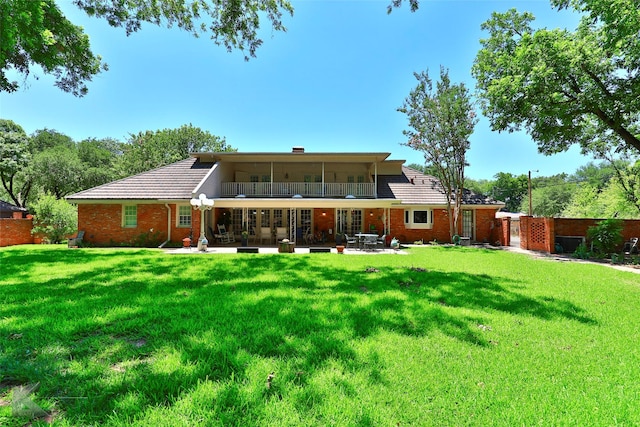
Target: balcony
305,189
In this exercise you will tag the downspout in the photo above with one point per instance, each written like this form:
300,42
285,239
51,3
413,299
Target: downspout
168,227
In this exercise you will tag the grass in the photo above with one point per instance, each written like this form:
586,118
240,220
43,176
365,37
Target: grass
442,336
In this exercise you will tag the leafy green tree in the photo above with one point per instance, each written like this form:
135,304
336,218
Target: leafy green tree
510,189
37,33
101,160
54,218
478,186
606,236
42,139
619,21
550,195
562,87
595,175
149,150
441,122
14,160
58,171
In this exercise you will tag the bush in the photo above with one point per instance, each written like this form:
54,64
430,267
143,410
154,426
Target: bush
582,252
606,236
54,218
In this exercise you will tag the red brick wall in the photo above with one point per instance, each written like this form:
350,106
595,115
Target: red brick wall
485,224
103,223
530,231
579,227
501,232
15,231
484,219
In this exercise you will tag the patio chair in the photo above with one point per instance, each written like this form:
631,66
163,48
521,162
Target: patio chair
631,247
381,241
224,236
281,233
352,242
265,233
76,241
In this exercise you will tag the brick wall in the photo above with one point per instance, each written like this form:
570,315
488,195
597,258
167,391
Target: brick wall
103,223
484,222
501,232
539,234
15,231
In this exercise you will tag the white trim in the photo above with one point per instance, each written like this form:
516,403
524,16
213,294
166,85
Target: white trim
410,225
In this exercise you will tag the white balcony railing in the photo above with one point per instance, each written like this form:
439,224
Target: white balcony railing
305,189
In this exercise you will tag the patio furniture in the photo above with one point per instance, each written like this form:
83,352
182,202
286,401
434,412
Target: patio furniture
224,236
265,233
76,241
352,242
281,233
631,247
370,242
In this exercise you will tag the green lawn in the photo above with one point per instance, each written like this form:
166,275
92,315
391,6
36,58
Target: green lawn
443,336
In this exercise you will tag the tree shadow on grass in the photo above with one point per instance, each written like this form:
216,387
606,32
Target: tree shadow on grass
158,326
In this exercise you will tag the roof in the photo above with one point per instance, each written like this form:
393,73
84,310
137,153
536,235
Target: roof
8,207
414,187
292,157
172,182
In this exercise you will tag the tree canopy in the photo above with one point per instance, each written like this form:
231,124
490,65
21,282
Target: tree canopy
562,87
152,149
441,122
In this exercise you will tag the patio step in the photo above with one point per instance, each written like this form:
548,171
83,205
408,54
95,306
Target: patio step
319,249
247,249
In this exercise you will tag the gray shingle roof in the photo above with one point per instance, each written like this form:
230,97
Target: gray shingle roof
8,207
425,189
172,182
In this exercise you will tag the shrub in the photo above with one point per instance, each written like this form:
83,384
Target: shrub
54,218
606,236
582,252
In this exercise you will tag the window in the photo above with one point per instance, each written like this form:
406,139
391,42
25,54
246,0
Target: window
184,216
418,218
130,216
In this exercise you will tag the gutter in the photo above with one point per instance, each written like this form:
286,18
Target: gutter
168,227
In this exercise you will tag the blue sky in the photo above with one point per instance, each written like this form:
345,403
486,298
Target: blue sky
332,82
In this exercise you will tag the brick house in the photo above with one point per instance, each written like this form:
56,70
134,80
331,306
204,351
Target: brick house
299,192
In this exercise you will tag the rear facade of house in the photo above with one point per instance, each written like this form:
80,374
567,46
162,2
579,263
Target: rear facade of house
302,193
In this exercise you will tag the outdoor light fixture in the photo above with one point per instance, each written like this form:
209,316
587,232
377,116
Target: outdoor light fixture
202,204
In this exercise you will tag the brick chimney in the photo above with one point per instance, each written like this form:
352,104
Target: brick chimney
298,150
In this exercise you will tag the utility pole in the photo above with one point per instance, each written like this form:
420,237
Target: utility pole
530,204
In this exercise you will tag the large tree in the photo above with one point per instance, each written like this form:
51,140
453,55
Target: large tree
152,149
441,120
563,87
14,161
510,189
38,33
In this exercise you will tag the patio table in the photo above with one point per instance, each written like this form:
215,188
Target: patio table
367,240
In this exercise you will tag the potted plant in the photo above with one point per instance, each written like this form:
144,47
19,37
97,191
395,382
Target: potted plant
340,248
244,238
339,238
